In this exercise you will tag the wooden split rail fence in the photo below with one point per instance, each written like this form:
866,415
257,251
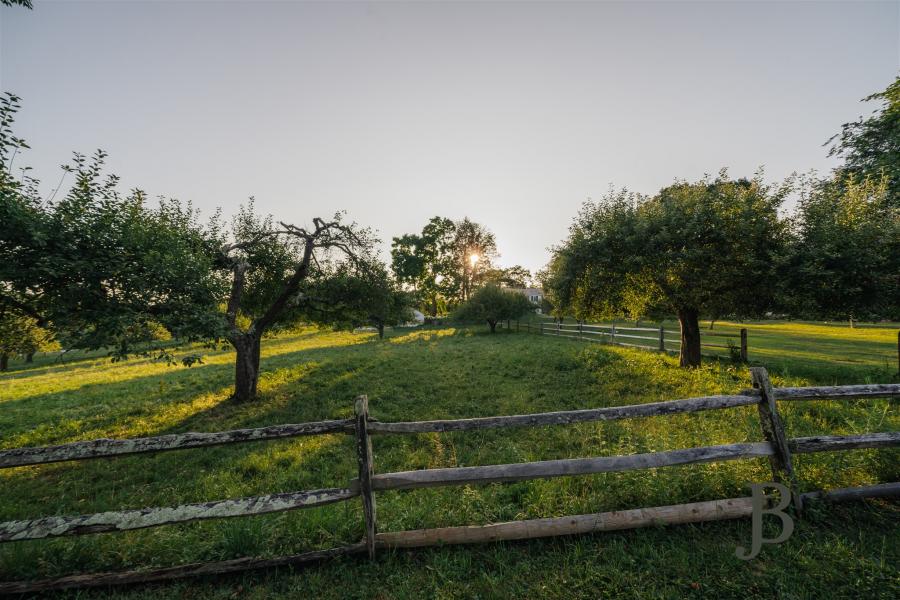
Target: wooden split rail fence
777,447
648,338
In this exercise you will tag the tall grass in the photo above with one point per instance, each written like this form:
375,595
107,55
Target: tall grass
429,374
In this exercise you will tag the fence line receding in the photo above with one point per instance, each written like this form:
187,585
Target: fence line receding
662,339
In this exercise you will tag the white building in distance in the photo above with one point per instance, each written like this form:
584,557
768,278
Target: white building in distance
535,295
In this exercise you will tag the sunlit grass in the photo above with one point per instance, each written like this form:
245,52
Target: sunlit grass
432,374
825,351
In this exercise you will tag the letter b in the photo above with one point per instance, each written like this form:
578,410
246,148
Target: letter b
758,502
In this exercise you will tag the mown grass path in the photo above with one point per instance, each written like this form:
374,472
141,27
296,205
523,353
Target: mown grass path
849,551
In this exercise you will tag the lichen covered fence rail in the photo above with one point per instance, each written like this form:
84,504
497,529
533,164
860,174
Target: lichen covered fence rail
776,446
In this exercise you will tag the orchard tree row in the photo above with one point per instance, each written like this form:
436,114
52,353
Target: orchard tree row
723,247
96,268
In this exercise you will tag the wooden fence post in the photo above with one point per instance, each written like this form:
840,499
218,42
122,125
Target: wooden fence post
517,326
580,330
542,328
612,337
743,344
662,339
773,430
366,470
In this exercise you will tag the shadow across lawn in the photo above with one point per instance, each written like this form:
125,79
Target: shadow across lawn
307,384
412,375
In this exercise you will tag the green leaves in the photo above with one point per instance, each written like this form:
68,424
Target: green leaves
446,262
871,146
694,245
105,269
356,294
844,259
492,304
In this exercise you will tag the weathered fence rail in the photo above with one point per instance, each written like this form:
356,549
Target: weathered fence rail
124,520
103,448
777,447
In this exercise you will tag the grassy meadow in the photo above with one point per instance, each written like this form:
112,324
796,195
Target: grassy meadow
842,551
814,350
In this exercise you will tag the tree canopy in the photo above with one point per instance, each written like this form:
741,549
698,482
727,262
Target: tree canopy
272,269
844,255
870,146
422,261
474,250
693,248
446,262
516,276
357,294
105,270
491,304
20,334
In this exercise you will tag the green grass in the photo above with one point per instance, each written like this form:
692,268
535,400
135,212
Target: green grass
806,349
843,551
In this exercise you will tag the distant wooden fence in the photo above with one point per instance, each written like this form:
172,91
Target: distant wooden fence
648,338
777,447
662,339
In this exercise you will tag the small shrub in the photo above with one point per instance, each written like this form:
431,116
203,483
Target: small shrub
493,304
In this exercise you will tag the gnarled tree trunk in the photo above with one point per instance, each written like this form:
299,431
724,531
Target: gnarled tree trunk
4,361
688,319
247,342
246,366
492,324
29,358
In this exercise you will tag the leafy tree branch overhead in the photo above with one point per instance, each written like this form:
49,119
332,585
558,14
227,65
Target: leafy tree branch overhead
870,146
24,3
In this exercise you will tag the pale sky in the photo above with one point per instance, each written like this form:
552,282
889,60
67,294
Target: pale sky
509,113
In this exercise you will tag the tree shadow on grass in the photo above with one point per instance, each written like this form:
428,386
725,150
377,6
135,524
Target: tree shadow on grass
418,375
99,410
304,385
291,391
24,370
299,386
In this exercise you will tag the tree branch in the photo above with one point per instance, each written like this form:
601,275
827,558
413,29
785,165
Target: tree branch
239,269
23,308
324,235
